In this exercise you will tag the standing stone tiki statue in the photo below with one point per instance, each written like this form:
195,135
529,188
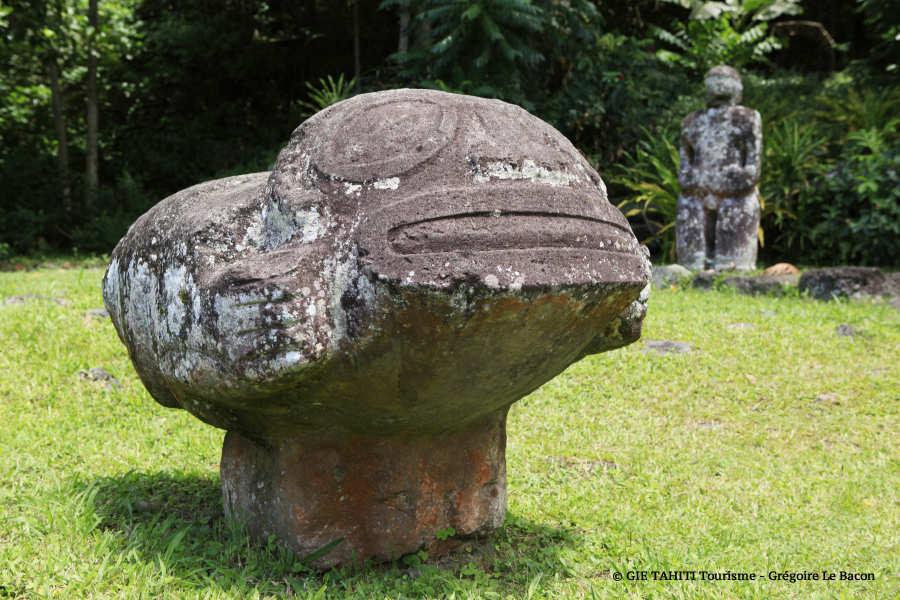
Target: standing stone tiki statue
717,223
360,319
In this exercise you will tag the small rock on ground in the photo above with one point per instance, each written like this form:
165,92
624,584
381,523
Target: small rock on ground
891,285
851,332
782,269
21,299
741,326
96,313
101,375
703,280
856,283
762,284
664,277
845,331
662,347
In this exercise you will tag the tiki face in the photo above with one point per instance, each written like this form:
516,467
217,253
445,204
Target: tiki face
361,319
395,228
723,87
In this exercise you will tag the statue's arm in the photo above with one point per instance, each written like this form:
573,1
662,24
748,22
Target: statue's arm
687,175
754,150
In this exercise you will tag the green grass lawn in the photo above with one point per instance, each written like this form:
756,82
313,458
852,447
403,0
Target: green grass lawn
773,446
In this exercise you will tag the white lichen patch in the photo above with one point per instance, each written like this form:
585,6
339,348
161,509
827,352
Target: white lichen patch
352,188
342,276
391,183
276,224
529,170
178,289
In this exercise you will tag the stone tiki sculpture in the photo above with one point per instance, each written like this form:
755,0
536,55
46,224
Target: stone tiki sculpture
360,319
718,212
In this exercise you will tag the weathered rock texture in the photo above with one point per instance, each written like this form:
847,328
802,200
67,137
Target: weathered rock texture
663,347
704,280
662,278
762,284
892,284
855,283
718,212
361,319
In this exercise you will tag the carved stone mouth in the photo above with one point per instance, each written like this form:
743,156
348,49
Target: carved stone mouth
516,230
516,234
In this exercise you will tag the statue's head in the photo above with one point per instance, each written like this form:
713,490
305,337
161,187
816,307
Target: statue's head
723,86
409,246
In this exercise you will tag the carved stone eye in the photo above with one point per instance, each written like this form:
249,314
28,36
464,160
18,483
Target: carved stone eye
385,139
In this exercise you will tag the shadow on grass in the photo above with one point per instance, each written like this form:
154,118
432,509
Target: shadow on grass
175,523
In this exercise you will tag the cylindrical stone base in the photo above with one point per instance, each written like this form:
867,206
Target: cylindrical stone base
386,496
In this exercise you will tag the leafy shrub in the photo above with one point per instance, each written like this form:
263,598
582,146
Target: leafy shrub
328,93
792,160
614,90
104,224
485,42
848,110
652,172
857,218
701,45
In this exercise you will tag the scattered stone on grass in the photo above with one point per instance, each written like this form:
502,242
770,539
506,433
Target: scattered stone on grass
148,506
845,331
855,283
892,284
93,316
851,332
782,269
768,313
762,284
99,314
827,398
101,376
664,278
662,347
704,279
741,326
709,424
21,299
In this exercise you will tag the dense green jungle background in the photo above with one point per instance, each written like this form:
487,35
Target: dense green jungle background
108,106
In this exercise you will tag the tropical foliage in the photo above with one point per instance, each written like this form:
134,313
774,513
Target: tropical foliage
652,173
724,33
190,90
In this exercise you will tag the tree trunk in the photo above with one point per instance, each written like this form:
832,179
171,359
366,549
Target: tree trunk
356,40
92,150
59,121
403,46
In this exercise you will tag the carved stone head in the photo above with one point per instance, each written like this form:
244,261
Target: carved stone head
403,238
415,263
723,87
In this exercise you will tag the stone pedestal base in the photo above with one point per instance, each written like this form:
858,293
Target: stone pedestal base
386,496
